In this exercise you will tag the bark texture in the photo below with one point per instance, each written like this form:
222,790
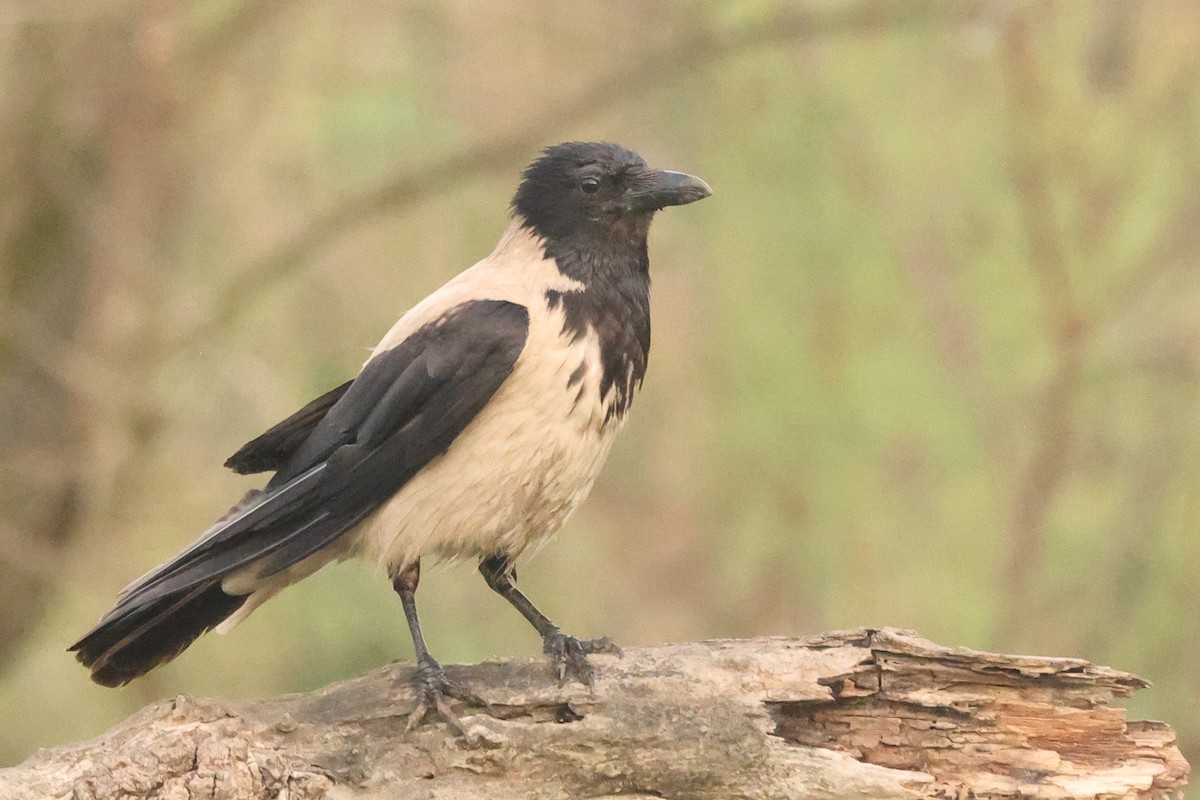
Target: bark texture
861,713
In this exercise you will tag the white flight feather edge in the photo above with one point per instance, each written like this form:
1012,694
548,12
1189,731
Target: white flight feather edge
221,526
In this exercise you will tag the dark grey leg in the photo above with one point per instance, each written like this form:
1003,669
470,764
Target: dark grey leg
430,684
568,653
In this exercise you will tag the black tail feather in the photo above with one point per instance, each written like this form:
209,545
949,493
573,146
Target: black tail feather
133,640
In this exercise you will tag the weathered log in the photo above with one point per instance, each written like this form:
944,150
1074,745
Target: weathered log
862,713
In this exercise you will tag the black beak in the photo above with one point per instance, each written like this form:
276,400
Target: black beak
662,188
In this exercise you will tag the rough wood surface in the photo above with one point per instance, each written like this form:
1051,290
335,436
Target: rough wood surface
862,713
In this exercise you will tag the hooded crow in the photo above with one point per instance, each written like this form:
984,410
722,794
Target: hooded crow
474,430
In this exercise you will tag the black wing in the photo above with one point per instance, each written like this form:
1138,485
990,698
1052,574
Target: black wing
271,451
402,411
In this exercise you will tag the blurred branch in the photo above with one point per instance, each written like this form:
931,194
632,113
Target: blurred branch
80,372
860,713
504,151
1029,162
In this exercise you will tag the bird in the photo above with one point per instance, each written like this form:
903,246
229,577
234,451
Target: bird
474,429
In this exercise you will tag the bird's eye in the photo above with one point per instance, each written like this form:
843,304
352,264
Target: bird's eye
590,185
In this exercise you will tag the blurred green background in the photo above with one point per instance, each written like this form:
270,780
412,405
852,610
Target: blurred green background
930,357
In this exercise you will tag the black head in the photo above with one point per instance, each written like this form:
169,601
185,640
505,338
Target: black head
589,190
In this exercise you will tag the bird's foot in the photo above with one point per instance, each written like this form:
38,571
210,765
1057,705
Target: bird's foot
431,687
569,656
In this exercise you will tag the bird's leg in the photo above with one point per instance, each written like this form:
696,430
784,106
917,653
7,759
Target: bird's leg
568,653
430,684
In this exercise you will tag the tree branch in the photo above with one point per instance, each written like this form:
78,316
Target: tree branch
861,713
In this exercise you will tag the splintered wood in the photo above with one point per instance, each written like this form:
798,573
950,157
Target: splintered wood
862,713
996,725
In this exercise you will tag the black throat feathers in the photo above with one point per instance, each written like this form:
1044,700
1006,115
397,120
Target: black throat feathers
614,303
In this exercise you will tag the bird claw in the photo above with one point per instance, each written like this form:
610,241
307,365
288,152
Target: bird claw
431,688
569,656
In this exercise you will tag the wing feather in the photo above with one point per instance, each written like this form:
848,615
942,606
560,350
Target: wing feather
405,409
267,452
